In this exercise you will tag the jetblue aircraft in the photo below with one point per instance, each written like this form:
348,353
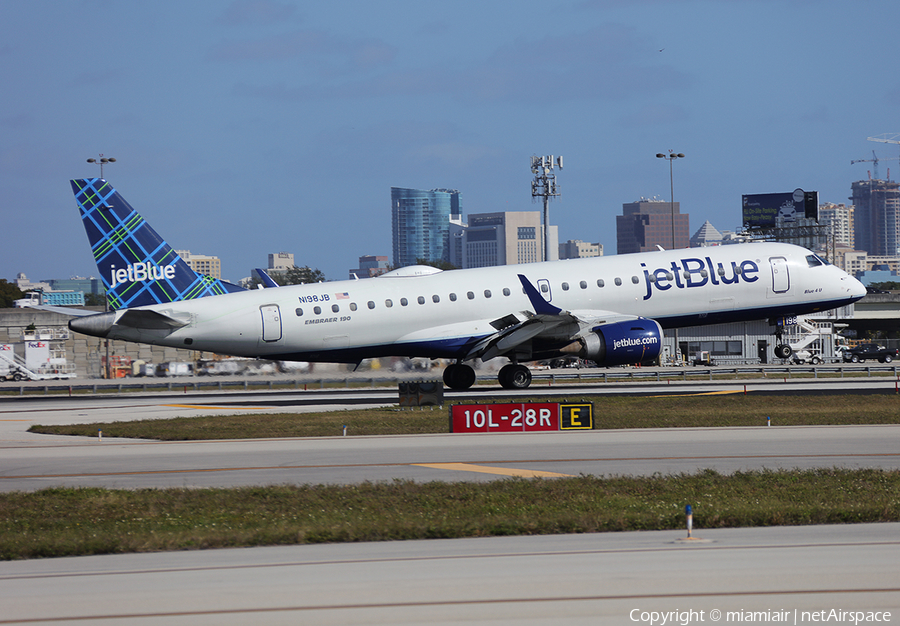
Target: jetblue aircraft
611,310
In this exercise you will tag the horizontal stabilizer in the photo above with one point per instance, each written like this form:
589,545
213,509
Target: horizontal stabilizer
100,324
62,310
149,320
266,280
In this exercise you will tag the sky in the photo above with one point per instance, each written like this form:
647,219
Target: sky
249,127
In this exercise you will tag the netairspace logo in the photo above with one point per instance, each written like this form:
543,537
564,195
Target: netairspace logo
795,617
139,273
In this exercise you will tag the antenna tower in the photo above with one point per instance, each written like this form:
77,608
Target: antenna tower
544,185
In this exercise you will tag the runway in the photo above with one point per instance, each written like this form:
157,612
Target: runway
613,578
30,461
345,460
609,578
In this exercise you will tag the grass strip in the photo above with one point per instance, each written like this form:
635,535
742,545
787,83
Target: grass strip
609,412
68,522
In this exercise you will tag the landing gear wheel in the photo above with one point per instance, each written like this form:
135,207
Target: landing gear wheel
459,377
514,376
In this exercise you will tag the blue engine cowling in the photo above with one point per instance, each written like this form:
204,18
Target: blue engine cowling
623,343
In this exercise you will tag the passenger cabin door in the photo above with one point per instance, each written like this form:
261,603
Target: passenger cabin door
271,322
781,280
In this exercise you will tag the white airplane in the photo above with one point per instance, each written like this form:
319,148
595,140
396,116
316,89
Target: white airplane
611,310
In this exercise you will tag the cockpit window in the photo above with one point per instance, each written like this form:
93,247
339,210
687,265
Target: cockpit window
814,261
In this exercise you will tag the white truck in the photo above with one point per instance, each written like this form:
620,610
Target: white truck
50,298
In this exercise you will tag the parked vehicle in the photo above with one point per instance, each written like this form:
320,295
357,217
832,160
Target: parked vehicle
52,298
863,351
806,356
11,372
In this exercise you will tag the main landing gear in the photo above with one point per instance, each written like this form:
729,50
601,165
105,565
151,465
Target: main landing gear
458,376
513,376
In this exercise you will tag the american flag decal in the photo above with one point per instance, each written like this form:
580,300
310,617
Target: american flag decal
342,296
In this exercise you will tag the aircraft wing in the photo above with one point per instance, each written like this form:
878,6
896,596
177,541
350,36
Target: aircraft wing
592,334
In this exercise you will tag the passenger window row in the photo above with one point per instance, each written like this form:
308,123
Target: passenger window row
544,287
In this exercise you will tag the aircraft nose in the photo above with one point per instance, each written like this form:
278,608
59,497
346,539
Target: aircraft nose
93,325
856,287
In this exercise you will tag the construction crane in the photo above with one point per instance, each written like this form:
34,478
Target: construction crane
886,138
875,160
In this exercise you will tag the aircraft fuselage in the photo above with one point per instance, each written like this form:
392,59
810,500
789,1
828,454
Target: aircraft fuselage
442,315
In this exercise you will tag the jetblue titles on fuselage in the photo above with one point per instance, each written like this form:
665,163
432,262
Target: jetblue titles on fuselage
694,272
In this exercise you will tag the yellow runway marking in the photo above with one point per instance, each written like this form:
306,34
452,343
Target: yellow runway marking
701,393
506,471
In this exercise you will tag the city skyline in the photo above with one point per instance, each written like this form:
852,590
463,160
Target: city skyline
256,125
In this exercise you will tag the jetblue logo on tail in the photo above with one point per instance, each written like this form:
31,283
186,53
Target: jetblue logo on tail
139,273
137,265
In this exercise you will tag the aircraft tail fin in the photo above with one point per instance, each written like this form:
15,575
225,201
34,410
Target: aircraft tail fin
136,265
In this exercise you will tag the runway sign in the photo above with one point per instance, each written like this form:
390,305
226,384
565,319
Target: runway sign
576,416
520,417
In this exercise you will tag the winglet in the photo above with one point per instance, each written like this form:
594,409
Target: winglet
541,306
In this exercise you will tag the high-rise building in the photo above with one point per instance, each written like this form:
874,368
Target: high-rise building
370,266
840,218
646,224
578,249
707,235
504,238
876,217
458,243
202,264
420,224
87,285
281,261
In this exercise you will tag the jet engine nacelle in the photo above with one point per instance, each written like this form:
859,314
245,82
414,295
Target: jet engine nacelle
622,343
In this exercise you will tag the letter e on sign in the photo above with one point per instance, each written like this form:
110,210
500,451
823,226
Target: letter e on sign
576,416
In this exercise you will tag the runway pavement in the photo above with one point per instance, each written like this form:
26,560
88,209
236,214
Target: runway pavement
579,579
30,461
343,460
783,574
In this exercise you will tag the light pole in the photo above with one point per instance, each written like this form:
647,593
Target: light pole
671,157
101,162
